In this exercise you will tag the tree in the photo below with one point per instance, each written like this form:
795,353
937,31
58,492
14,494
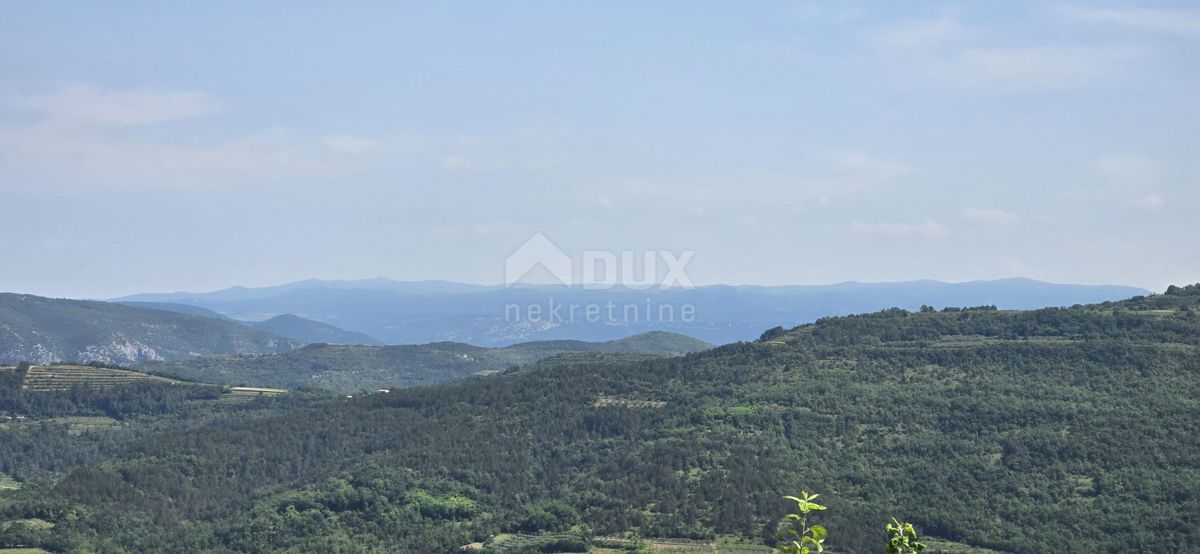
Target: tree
772,333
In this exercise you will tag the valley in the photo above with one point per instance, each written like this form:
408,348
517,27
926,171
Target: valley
600,277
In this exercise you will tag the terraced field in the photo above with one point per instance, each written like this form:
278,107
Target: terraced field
246,394
62,377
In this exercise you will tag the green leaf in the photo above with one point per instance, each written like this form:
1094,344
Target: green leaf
818,532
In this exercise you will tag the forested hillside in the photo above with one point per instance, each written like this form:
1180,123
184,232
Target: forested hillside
354,368
47,330
1057,430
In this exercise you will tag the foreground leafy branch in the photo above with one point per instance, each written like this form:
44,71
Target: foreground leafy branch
811,540
808,539
903,538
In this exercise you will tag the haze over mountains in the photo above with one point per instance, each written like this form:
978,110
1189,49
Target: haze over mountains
241,321
395,312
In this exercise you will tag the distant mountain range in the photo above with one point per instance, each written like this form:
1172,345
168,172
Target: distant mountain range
45,330
355,368
241,321
285,325
397,312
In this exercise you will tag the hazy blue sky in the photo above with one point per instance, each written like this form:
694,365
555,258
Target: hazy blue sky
163,147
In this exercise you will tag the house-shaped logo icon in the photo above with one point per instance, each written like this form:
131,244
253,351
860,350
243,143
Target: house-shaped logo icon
537,252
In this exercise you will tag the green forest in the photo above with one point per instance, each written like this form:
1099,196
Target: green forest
1067,430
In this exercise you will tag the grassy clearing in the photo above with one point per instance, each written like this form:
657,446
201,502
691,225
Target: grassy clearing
255,391
81,424
663,546
973,341
637,404
246,394
1159,313
30,523
34,523
669,546
739,546
8,484
941,546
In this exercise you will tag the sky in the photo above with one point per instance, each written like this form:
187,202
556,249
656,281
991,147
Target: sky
165,146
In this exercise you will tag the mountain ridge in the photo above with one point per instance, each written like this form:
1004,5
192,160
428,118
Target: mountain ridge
420,312
45,330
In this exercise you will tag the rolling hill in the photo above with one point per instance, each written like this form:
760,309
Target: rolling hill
285,325
421,312
44,330
1025,432
354,368
309,331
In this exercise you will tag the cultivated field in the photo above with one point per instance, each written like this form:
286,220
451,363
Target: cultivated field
939,546
255,391
62,377
77,425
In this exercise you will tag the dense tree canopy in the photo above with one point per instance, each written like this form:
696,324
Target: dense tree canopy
1060,430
